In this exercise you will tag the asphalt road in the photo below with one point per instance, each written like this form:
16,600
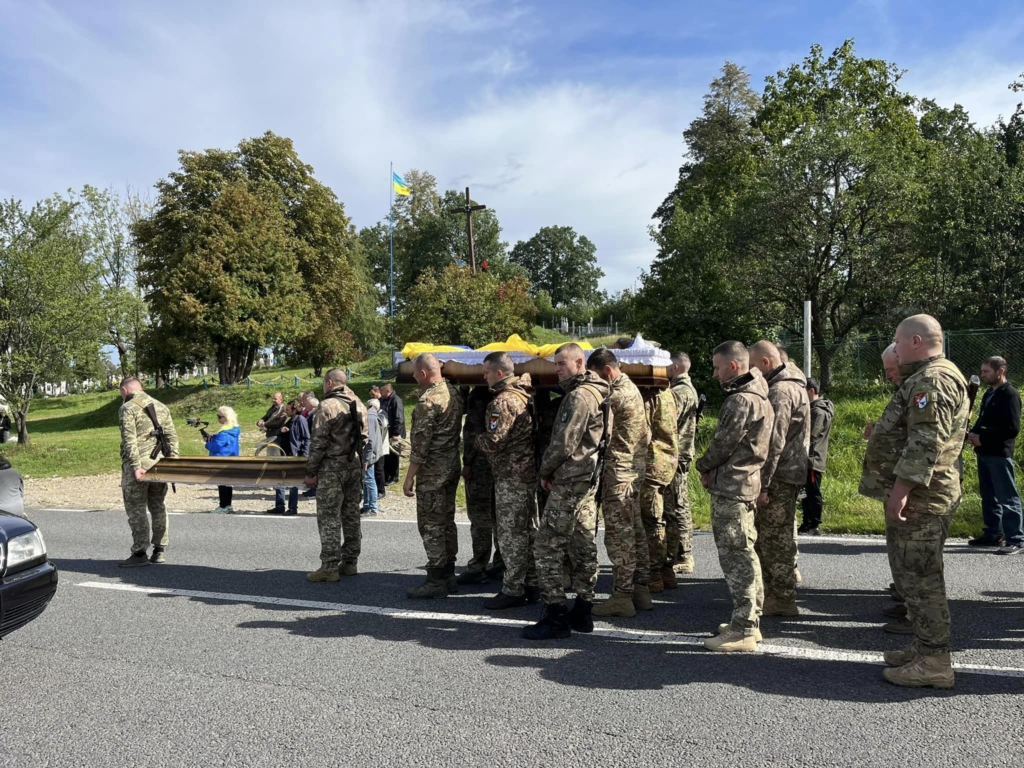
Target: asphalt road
227,656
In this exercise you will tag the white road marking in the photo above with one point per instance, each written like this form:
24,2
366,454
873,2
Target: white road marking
659,638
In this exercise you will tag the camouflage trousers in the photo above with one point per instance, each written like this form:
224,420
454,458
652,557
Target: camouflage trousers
915,556
678,516
776,541
339,497
516,514
652,513
624,534
480,509
435,518
732,522
567,528
138,498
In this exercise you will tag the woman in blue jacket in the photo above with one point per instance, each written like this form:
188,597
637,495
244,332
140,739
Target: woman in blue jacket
224,442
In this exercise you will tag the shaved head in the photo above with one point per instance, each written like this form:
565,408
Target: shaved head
569,361
764,356
427,363
918,338
336,376
681,361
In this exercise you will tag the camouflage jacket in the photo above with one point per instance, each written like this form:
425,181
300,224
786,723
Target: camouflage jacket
507,440
878,473
630,433
740,444
477,407
335,434
571,456
436,424
934,418
137,435
686,416
788,454
663,451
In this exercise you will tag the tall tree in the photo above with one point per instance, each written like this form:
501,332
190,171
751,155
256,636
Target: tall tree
51,307
561,263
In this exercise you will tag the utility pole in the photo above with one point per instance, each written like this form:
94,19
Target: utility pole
807,339
468,211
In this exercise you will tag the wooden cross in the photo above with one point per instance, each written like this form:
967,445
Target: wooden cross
468,210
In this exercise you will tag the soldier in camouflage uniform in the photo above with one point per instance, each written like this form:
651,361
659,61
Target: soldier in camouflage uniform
678,515
138,440
479,482
915,447
569,521
731,470
507,441
662,459
434,469
623,529
339,453
783,475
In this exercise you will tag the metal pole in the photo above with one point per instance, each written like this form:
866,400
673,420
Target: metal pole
807,339
391,237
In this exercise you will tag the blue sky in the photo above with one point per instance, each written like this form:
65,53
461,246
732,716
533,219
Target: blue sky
554,112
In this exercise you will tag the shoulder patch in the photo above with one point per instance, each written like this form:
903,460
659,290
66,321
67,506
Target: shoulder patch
565,415
921,400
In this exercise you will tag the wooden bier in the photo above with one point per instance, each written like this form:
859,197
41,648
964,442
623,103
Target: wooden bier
542,372
254,471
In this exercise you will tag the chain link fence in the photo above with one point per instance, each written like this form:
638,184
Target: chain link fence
857,362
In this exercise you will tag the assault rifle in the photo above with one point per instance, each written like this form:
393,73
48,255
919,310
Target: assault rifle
602,445
701,402
162,445
358,442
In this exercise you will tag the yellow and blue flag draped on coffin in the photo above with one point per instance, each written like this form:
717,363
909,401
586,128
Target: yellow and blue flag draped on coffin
514,344
401,188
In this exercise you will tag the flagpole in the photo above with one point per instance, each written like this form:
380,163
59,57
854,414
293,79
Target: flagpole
391,237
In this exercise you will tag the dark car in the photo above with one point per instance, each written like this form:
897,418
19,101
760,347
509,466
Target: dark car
27,579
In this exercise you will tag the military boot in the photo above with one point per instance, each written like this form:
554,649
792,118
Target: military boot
900,657
895,593
899,627
668,577
580,617
349,569
433,587
642,597
501,601
619,604
136,559
451,583
532,594
321,575
923,672
731,642
775,607
158,557
552,626
897,611
684,565
655,583
496,572
473,577
725,628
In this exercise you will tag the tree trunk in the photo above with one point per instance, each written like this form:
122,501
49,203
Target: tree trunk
22,419
235,363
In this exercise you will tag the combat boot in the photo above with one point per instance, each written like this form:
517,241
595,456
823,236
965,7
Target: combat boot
722,628
137,559
731,642
900,657
157,558
501,601
895,593
655,583
923,672
532,594
685,565
580,617
473,577
902,626
775,607
433,587
668,578
451,583
554,625
321,575
619,604
642,597
349,569
897,611
496,572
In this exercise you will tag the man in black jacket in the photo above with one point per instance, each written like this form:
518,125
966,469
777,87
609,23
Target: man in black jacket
822,412
391,405
994,437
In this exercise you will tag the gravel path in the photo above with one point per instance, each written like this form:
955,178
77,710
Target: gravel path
104,492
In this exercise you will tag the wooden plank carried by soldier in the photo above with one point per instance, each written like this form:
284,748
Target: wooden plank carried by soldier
254,471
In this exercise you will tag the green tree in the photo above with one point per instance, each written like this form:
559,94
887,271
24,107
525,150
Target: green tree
51,306
838,190
561,263
454,306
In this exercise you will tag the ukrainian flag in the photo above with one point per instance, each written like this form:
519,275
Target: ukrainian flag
401,188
